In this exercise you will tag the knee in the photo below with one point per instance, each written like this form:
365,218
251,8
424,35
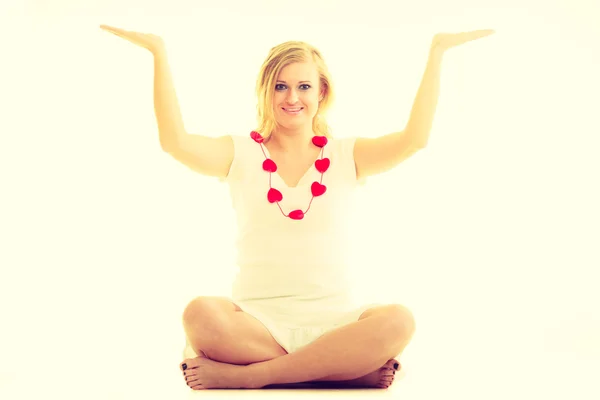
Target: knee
203,316
402,321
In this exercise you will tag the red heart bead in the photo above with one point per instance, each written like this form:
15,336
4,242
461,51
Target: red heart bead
256,136
269,165
296,214
319,141
322,165
317,189
274,195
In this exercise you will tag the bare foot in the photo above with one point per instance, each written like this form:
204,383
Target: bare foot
202,373
380,378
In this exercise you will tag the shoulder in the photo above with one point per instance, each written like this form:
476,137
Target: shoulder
245,151
345,152
344,145
245,144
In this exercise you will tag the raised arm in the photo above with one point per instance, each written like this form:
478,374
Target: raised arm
211,156
373,156
376,155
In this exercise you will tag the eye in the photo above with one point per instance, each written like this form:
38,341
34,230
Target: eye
281,86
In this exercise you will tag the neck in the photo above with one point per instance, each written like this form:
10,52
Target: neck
292,141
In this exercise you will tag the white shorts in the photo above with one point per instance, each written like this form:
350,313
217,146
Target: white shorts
290,334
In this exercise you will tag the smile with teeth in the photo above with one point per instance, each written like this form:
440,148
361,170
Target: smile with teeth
293,110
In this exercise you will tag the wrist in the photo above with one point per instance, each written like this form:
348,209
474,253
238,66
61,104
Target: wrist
159,50
436,51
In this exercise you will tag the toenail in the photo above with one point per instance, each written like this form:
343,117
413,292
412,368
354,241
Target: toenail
184,366
395,365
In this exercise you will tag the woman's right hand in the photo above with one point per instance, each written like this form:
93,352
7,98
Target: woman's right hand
146,40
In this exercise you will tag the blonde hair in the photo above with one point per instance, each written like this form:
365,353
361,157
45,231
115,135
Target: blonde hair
279,57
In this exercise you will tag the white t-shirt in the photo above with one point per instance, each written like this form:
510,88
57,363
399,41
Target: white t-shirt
279,257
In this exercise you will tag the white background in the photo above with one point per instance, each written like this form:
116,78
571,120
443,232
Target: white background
490,235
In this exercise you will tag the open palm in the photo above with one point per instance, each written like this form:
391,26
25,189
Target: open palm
445,41
145,40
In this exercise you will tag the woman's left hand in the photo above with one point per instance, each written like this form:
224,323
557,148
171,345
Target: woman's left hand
444,41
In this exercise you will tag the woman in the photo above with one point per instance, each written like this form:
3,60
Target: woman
290,318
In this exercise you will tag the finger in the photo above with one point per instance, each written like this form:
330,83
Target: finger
118,32
479,34
125,34
109,29
112,28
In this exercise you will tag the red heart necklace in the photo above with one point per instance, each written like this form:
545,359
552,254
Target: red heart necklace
317,189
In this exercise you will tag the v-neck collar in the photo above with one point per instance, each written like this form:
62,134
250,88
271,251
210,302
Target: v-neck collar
306,173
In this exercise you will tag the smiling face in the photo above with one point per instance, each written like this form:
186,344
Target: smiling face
297,94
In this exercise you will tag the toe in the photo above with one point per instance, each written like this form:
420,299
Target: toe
194,382
386,383
190,363
186,364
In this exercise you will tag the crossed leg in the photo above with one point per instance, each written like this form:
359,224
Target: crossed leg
350,353
218,328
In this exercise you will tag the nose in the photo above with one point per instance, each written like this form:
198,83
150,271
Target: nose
292,97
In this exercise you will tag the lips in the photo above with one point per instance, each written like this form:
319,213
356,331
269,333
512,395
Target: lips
293,109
